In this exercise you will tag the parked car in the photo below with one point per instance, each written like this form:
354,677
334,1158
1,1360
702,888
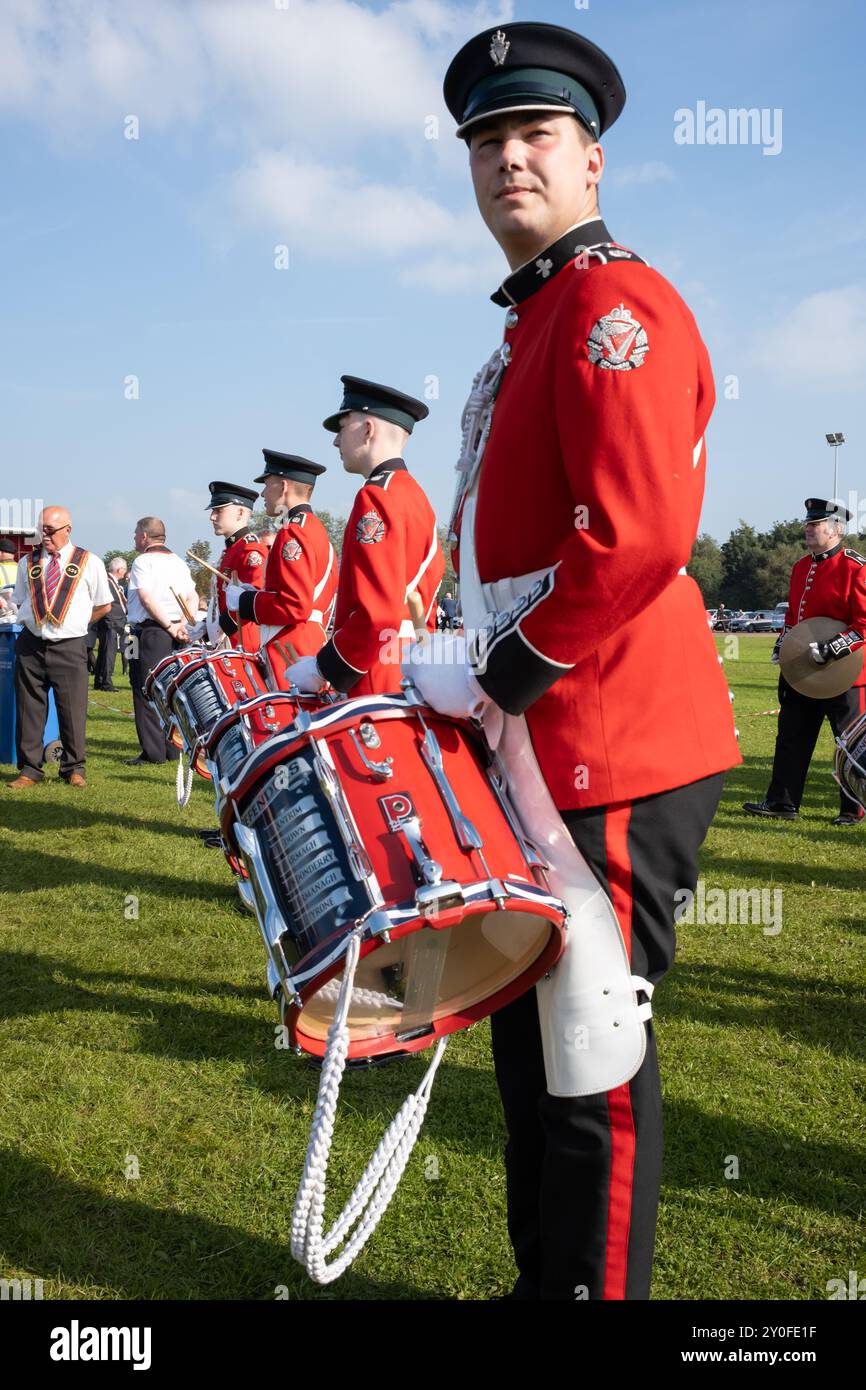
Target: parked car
760,621
739,622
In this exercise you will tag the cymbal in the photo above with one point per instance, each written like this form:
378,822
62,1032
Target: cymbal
804,674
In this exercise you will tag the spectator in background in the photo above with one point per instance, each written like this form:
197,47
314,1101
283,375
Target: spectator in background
111,626
267,538
8,571
156,579
449,613
60,589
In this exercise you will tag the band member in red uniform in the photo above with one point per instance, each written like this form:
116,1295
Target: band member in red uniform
300,579
594,409
829,582
391,548
243,559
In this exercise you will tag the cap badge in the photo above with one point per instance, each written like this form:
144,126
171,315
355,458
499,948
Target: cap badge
499,46
617,341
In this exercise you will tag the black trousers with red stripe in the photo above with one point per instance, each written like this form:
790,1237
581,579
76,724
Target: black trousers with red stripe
584,1173
800,720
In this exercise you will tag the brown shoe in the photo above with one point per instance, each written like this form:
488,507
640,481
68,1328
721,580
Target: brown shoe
22,783
75,779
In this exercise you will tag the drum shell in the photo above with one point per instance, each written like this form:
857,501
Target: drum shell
311,953
206,689
159,680
849,763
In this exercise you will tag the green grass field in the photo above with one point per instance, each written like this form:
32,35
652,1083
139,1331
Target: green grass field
147,1043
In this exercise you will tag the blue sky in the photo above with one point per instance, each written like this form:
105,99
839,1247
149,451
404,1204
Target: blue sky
304,125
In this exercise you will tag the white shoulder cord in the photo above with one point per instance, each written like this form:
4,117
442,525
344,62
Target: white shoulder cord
184,792
372,1195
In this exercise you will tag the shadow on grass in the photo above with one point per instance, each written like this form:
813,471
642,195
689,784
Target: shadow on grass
68,815
816,1012
773,1166
70,1232
29,869
466,1109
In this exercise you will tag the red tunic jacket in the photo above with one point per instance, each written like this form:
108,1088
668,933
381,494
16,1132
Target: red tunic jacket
830,586
390,549
244,556
595,466
296,603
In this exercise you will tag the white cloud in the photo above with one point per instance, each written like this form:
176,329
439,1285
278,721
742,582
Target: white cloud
307,97
823,338
316,70
332,212
652,171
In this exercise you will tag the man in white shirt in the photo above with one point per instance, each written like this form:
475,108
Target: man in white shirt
60,590
157,581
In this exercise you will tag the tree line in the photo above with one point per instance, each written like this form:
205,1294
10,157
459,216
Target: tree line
751,569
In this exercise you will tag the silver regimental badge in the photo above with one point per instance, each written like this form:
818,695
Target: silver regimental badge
499,46
617,341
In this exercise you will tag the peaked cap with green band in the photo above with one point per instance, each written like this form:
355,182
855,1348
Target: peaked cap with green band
374,399
533,67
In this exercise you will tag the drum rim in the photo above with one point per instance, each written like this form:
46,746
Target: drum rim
330,718
449,1023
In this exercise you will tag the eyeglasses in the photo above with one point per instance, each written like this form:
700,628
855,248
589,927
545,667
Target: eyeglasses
52,530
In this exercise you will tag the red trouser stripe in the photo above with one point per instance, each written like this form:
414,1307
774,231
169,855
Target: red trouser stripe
622,1139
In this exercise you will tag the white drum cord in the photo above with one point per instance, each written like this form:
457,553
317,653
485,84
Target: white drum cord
372,1195
183,786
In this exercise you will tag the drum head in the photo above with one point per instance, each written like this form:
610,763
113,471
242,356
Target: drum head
433,981
804,674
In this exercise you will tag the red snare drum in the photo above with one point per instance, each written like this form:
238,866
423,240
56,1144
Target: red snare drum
241,730
159,679
379,811
849,762
205,689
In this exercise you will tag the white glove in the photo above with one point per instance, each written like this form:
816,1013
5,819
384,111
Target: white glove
305,674
816,654
233,595
198,631
439,669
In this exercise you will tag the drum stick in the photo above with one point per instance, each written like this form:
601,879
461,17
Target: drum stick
182,605
286,650
199,561
415,605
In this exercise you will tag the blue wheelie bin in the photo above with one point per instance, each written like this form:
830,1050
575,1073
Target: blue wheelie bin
52,747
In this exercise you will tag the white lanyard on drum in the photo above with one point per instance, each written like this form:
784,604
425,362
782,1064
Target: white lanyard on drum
374,1190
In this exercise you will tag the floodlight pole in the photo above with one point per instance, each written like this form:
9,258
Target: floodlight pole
834,440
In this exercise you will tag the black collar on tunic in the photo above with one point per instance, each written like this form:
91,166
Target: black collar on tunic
389,466
296,512
239,535
528,278
828,554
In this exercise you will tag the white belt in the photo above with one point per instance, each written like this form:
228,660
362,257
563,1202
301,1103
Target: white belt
317,616
592,1026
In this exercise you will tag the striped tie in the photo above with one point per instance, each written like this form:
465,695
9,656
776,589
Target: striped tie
52,579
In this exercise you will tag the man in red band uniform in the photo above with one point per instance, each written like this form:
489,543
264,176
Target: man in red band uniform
597,402
294,606
829,582
243,560
59,591
391,560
